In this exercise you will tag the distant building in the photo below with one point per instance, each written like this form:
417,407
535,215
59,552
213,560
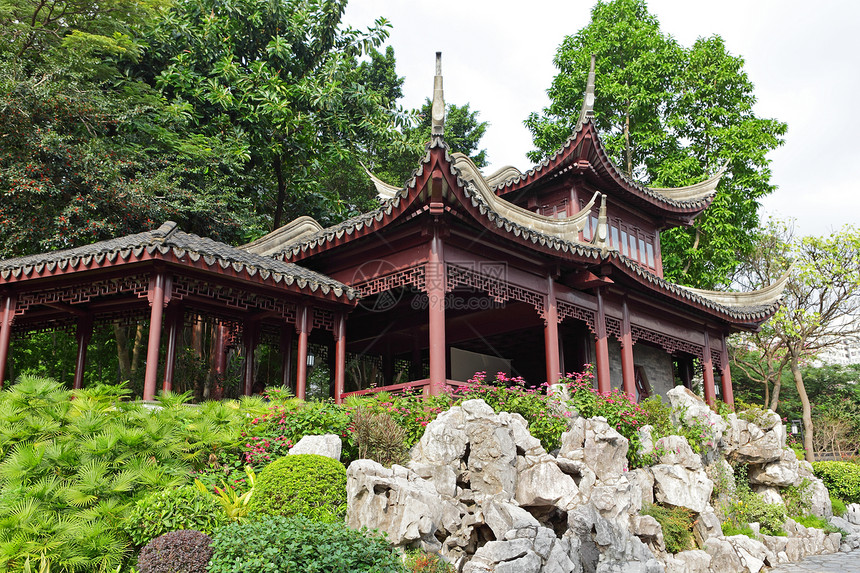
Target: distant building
844,352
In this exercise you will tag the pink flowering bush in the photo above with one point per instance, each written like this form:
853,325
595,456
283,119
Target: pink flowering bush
271,435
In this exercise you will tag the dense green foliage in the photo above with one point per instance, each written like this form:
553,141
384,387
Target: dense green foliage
183,551
306,484
744,506
378,437
677,524
164,511
842,479
71,470
669,116
278,543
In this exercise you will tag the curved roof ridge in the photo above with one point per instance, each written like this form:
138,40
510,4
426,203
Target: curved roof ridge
694,192
499,176
271,242
766,296
566,229
749,307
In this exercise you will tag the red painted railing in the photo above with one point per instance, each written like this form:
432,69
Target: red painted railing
423,384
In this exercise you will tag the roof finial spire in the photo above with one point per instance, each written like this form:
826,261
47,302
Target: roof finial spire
587,111
438,110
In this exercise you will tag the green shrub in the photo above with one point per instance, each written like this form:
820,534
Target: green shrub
677,524
411,410
730,529
378,437
270,435
746,506
841,478
798,499
306,484
185,551
839,508
277,543
658,415
419,561
818,523
185,507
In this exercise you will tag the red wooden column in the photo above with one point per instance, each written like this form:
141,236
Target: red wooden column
157,298
6,319
708,372
601,346
340,358
174,327
726,374
435,280
250,338
83,334
550,334
286,355
628,372
302,324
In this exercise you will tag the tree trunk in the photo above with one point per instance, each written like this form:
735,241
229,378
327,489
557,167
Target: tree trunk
137,349
807,410
629,151
767,392
122,351
774,397
282,191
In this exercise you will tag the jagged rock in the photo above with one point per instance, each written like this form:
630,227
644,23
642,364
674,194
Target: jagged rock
605,547
544,484
616,499
502,518
753,553
399,502
646,440
443,478
605,449
852,513
707,526
689,409
747,443
573,441
678,486
769,494
642,479
781,473
582,476
723,556
678,451
328,445
444,441
648,530
820,497
692,561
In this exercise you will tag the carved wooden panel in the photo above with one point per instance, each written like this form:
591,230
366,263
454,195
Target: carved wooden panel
668,343
412,276
234,298
570,310
83,292
496,288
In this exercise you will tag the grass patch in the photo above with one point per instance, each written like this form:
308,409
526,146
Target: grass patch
677,524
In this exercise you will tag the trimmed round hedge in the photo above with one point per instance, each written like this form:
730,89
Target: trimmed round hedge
277,543
841,478
184,551
305,484
185,507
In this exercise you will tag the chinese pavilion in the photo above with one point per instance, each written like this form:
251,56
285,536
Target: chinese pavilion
533,273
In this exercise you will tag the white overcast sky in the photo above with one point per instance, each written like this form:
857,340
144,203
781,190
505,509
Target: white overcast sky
802,57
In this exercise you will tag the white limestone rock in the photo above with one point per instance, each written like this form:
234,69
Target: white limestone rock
692,561
852,513
605,449
444,441
708,525
820,497
328,445
753,553
616,500
544,484
644,480
680,487
503,517
573,441
399,502
605,547
747,443
678,451
769,494
689,409
781,473
724,559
